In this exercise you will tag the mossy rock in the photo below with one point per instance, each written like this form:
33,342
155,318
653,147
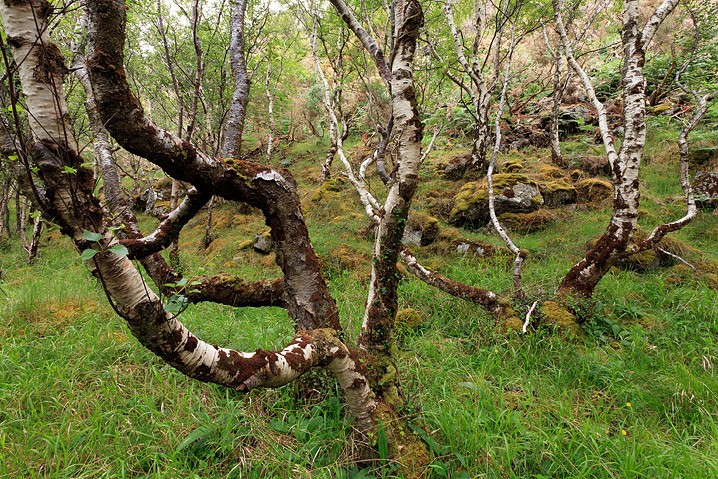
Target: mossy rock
474,248
421,229
514,192
593,164
409,318
547,172
640,262
456,167
558,192
594,190
528,222
557,315
661,255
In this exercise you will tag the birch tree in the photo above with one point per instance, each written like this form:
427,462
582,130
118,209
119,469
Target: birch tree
67,199
624,162
480,55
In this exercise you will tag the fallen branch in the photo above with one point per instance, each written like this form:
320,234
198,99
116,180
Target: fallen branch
528,317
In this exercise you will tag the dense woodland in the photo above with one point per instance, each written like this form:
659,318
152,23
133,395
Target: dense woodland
366,239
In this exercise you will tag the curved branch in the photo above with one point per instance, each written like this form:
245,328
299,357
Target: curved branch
271,190
233,291
367,41
169,229
474,294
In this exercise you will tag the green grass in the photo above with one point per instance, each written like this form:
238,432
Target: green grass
633,395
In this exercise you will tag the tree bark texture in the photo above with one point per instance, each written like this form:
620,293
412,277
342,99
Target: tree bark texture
234,128
625,163
376,338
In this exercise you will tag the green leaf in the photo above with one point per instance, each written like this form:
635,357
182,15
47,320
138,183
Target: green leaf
12,157
119,250
88,254
69,170
382,442
199,435
437,448
91,236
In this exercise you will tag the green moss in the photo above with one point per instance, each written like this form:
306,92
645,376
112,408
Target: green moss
513,166
594,190
476,192
328,191
512,323
245,244
409,318
556,185
345,257
527,222
556,314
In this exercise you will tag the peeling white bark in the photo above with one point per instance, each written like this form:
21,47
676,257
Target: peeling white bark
41,83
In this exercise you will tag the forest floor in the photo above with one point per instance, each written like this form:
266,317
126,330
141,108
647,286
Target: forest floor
630,394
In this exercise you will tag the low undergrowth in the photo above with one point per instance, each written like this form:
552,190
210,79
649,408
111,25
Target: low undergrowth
630,394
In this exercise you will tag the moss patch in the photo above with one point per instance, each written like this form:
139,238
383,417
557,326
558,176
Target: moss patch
409,318
471,202
557,315
527,222
594,190
345,257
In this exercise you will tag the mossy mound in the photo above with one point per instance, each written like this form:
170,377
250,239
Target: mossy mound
555,314
527,222
545,171
661,255
513,166
700,155
511,323
222,219
345,257
421,229
593,165
514,192
329,190
557,192
594,190
409,318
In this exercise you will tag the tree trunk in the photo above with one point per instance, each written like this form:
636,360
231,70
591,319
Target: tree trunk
31,245
4,210
207,240
270,110
558,89
104,158
70,204
585,275
232,146
376,339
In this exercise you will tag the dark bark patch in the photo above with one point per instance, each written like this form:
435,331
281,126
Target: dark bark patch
191,344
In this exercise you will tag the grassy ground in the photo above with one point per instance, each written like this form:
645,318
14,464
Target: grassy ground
633,394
